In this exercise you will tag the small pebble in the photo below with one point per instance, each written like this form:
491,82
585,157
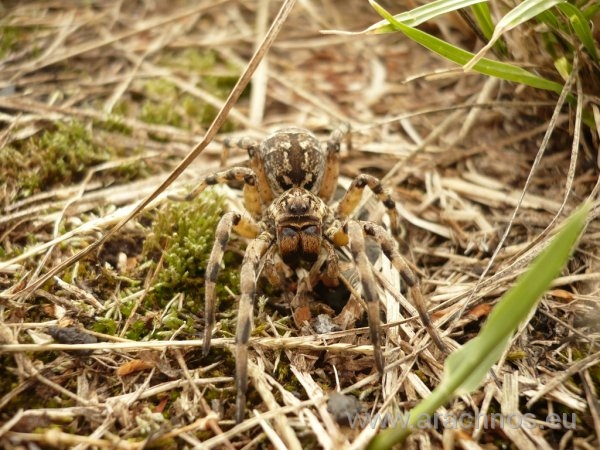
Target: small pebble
343,407
72,335
324,324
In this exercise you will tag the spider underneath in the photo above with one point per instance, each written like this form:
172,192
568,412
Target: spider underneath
288,190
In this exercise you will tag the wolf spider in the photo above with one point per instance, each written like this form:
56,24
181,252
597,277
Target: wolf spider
287,191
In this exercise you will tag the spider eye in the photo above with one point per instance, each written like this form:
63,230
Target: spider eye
297,245
288,232
289,246
311,229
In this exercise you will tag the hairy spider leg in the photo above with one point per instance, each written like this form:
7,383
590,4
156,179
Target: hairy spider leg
256,164
231,221
353,195
369,288
248,274
252,201
390,249
332,166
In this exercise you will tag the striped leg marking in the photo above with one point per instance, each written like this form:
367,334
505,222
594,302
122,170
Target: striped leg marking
241,226
369,287
254,253
354,194
390,249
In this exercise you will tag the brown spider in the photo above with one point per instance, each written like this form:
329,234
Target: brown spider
287,190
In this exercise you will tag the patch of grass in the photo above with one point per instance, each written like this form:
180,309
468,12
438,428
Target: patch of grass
466,368
560,32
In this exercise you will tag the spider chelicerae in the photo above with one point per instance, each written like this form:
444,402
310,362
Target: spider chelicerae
288,190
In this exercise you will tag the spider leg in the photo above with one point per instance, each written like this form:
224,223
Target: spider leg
243,227
332,270
350,201
369,287
253,148
390,249
254,253
332,165
252,200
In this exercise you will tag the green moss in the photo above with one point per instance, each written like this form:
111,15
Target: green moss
184,234
172,321
115,123
127,307
137,330
161,104
61,155
105,326
166,104
10,38
191,59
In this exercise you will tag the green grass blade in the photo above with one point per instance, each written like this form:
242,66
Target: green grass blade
551,20
591,11
515,17
466,368
514,307
459,56
523,12
421,14
481,12
581,27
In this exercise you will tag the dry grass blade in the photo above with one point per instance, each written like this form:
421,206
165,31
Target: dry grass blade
285,436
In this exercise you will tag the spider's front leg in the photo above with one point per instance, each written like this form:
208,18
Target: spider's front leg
353,195
369,287
249,273
241,226
390,249
252,200
253,149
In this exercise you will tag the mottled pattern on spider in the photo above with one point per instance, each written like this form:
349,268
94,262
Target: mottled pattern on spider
287,190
